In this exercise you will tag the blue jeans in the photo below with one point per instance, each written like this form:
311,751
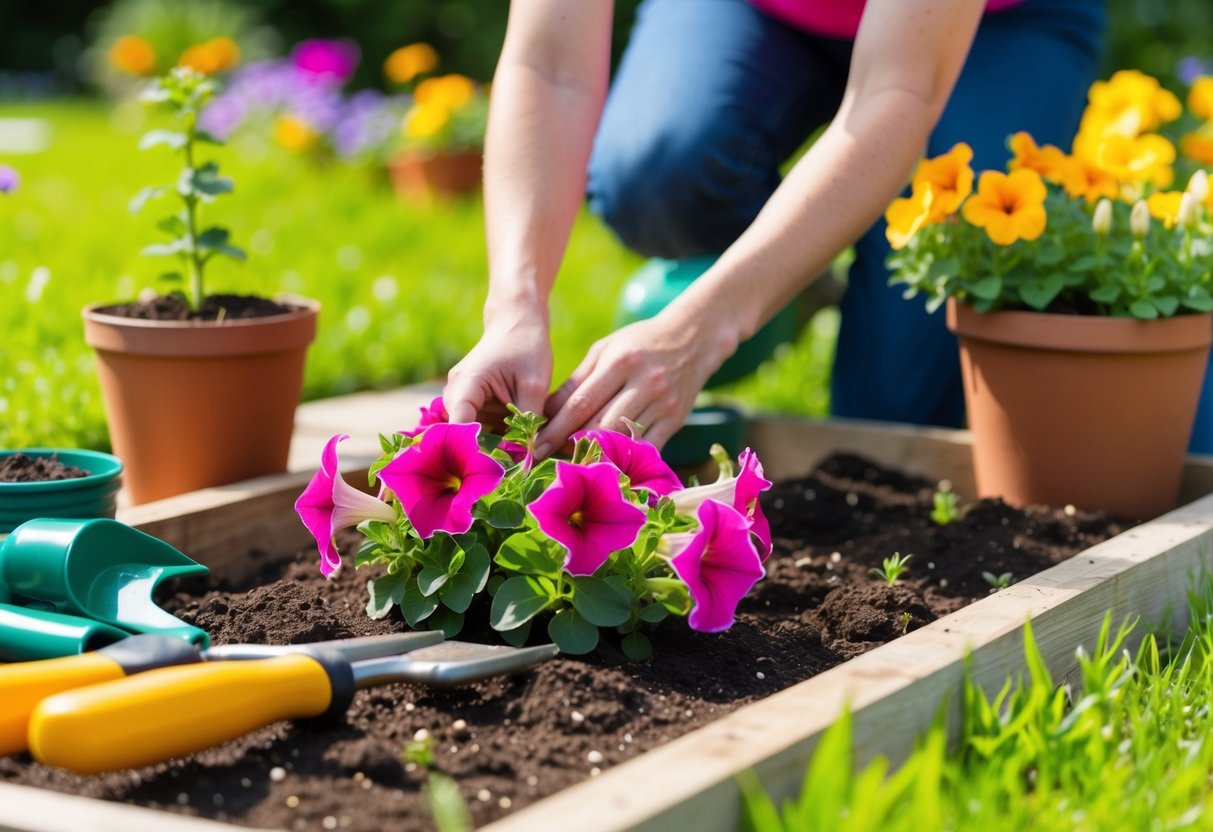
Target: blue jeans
712,96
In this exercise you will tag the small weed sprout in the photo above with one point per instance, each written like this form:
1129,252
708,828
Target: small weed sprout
947,509
905,619
892,568
420,750
997,582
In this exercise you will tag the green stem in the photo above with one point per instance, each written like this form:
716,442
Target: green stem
191,220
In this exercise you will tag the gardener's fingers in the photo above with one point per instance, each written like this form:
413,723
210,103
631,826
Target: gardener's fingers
560,396
580,406
463,399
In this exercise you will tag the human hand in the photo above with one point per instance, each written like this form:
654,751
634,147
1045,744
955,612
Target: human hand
648,372
510,364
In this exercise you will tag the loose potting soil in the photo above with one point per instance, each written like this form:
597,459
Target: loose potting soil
214,307
509,742
25,468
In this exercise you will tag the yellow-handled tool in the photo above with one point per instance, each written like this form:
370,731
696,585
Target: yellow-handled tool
179,710
23,685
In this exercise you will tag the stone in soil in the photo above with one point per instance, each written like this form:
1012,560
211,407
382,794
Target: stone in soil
509,742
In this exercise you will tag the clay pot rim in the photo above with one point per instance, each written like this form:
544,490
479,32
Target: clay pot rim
1081,333
306,306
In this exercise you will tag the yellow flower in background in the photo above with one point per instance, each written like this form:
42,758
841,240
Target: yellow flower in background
908,215
1198,145
1200,97
949,179
1047,160
293,133
1128,104
1010,206
1142,160
450,92
422,122
133,55
1164,205
214,56
407,62
1083,178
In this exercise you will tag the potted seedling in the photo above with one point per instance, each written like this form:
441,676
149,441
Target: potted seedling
199,389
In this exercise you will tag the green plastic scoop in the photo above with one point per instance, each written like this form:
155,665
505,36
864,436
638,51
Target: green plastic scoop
85,583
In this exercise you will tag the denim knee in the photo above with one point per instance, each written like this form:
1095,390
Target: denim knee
679,194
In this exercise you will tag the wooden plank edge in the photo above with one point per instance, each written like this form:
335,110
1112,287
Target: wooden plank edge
894,690
26,809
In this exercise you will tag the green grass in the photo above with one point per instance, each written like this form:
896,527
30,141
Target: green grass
1127,747
401,285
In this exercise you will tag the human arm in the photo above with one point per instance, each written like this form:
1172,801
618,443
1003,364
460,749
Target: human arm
547,96
906,59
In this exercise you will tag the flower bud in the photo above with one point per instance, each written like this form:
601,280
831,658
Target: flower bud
1188,210
1101,222
1198,185
1139,219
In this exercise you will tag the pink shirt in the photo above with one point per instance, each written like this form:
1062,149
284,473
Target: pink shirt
835,18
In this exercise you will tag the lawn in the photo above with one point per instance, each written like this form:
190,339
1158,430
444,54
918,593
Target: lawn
401,285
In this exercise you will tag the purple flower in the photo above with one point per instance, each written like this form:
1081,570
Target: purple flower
331,60
9,180
718,564
639,460
585,511
440,478
1190,68
741,492
330,503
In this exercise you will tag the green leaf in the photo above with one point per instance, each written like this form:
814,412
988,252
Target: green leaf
1038,294
1166,305
203,137
653,613
1143,309
525,552
572,633
415,606
988,288
449,621
517,601
386,591
171,138
169,249
172,277
942,268
431,579
601,603
144,196
216,240
1083,264
637,647
1050,253
517,636
204,181
506,514
457,594
1108,293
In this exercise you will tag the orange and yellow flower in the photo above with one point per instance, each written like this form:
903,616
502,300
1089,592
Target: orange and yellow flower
1047,160
1083,178
1164,206
133,55
422,122
1198,145
407,62
948,177
213,56
1200,97
1128,104
293,133
1009,207
1142,160
450,92
907,216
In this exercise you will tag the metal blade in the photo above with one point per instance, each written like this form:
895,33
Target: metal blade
351,649
451,663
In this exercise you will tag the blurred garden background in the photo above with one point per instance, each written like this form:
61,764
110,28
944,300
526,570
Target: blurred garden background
321,96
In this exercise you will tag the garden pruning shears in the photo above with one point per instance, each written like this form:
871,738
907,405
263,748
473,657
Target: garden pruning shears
173,711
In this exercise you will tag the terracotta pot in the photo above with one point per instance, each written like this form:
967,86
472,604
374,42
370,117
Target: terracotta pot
1075,410
428,175
193,404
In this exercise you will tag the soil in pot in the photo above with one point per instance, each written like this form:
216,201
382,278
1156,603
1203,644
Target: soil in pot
25,468
509,742
213,308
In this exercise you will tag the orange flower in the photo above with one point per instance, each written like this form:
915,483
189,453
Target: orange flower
214,56
407,62
450,92
1136,161
1128,104
1200,97
1199,145
294,133
1048,160
1164,206
423,122
133,55
907,216
948,177
1082,177
1009,207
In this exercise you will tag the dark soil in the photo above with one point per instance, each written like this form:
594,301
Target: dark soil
26,468
214,307
509,742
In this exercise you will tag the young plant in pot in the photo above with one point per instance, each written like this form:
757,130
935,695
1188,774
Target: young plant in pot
200,390
1080,287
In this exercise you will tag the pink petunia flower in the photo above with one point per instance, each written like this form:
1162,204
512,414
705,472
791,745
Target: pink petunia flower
329,61
639,460
330,503
718,564
585,511
435,414
741,492
440,478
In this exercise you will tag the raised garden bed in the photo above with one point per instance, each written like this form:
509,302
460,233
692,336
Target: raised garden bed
782,636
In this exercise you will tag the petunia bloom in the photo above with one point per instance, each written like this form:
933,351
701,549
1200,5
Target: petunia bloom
1009,207
330,503
440,478
1046,160
741,492
585,511
10,180
639,460
719,565
329,61
435,414
949,178
906,216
